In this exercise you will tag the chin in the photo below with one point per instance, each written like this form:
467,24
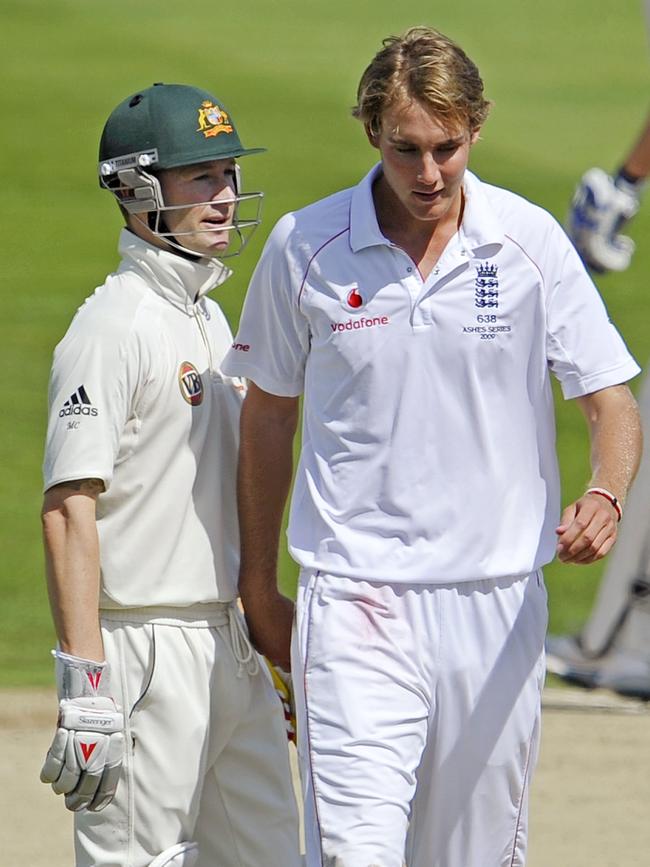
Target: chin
428,216
213,248
437,213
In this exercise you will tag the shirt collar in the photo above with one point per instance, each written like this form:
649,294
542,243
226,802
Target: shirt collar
364,228
481,228
180,281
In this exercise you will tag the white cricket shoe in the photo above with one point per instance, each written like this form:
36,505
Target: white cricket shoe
622,672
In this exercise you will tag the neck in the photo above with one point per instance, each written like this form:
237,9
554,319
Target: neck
423,240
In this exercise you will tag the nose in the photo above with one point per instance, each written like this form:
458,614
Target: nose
428,173
223,197
224,190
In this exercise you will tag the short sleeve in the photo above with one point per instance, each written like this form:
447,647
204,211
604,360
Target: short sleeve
584,349
272,342
90,396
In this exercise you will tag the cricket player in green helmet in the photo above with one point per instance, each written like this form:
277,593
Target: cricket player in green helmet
170,745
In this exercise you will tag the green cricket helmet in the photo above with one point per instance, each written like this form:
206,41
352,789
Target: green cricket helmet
164,127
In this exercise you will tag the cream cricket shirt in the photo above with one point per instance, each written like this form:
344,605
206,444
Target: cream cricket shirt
428,449
138,400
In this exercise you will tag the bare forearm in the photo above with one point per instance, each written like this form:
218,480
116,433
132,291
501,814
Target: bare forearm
265,467
264,479
637,162
588,527
72,566
616,439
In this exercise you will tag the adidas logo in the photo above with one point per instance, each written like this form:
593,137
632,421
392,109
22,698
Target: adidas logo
78,404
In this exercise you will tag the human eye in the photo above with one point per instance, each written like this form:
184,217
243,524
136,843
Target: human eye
404,148
197,176
448,147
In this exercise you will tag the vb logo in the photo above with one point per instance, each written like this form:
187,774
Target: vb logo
189,380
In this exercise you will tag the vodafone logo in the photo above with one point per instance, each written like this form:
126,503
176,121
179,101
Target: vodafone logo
360,324
355,302
189,381
354,299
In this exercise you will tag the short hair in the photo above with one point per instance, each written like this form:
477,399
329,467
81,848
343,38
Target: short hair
424,66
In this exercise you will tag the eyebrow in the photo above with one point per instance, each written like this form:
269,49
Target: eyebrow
454,140
191,169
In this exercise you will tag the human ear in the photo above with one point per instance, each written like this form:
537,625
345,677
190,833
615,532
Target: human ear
373,135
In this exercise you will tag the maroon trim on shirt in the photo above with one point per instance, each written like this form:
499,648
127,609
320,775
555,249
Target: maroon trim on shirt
322,247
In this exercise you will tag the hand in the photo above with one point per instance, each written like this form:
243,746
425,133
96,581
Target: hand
269,616
85,758
587,530
598,211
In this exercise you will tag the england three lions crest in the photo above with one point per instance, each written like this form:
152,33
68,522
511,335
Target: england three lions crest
486,286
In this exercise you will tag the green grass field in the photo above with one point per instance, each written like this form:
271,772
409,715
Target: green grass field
569,82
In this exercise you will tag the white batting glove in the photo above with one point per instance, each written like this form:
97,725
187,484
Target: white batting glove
599,209
85,758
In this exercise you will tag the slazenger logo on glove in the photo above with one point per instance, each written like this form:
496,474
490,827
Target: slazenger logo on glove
87,749
74,716
98,722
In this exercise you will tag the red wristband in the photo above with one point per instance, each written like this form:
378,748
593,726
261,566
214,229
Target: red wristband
603,492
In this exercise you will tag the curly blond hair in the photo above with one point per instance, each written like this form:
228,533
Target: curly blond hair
424,66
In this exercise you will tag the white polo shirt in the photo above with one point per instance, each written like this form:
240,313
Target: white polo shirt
428,450
138,400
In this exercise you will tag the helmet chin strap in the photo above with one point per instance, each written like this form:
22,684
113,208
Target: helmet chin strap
169,240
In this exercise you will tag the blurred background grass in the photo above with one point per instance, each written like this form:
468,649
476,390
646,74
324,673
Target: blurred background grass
569,82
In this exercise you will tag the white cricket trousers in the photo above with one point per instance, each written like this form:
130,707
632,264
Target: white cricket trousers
418,719
206,756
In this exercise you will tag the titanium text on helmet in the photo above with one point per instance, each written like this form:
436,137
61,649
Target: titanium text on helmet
174,127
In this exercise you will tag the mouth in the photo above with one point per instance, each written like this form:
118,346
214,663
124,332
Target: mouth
215,222
427,196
